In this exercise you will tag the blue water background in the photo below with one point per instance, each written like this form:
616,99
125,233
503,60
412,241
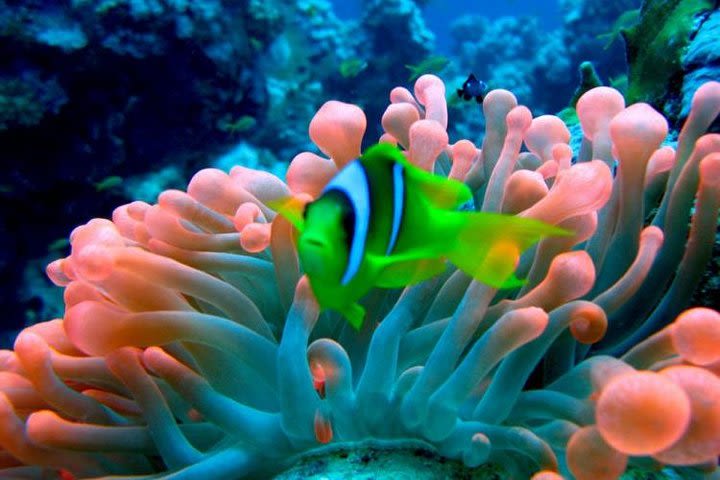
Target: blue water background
439,14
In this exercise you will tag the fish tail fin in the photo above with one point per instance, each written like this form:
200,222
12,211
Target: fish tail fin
414,72
488,245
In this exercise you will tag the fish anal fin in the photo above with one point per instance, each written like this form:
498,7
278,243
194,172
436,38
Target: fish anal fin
291,208
441,192
354,314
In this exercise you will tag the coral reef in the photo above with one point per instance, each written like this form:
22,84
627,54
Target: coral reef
701,59
26,100
517,54
192,346
669,43
97,88
585,24
514,53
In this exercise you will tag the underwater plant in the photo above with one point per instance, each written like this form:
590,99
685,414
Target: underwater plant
192,345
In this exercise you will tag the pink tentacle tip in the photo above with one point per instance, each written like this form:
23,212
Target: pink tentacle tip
706,100
246,214
547,475
305,296
596,108
56,274
498,103
642,413
430,92
403,95
209,186
710,171
32,351
337,129
583,188
652,235
95,263
43,427
309,173
428,139
96,232
696,335
571,274
562,154
64,474
387,138
548,169
156,360
589,457
254,235
397,120
262,185
319,378
661,161
463,154
532,322
523,189
519,119
637,132
323,427
701,441
544,132
589,326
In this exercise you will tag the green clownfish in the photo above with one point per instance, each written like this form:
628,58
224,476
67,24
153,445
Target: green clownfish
383,222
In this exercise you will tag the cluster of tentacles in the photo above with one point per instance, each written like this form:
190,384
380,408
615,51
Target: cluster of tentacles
192,346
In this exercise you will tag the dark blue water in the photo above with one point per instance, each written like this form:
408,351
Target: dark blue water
439,15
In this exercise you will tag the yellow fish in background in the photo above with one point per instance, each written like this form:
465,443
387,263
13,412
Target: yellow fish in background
352,67
108,183
383,222
432,64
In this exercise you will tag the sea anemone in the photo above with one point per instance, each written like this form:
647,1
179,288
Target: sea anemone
192,345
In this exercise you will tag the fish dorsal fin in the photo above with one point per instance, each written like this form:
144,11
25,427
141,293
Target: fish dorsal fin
290,208
442,192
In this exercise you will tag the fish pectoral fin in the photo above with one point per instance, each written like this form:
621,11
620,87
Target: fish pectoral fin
398,271
290,208
441,192
354,314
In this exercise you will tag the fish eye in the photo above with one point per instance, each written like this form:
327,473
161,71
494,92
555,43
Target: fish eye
348,222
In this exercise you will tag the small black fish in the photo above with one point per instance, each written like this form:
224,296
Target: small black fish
472,88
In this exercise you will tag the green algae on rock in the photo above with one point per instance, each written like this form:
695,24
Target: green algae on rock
655,46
